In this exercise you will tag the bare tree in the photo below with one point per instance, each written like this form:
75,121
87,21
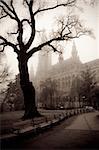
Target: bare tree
4,78
3,70
88,85
84,86
24,49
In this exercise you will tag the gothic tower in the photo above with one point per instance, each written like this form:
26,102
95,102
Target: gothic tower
75,56
44,63
60,58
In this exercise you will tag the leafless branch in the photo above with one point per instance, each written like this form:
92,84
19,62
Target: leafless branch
2,43
5,4
67,30
4,74
68,3
13,32
26,20
9,11
7,43
14,12
32,24
54,49
26,2
3,16
35,49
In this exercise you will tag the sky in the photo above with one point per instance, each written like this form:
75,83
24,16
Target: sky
87,47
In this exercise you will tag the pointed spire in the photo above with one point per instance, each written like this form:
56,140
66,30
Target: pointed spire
60,58
74,50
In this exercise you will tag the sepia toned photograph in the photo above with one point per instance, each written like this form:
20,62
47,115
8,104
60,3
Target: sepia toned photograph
49,74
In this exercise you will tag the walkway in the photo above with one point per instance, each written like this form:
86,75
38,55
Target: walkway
78,132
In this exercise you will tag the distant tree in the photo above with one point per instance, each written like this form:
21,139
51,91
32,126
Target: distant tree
75,87
48,92
88,85
95,97
4,78
75,91
43,95
84,86
68,28
14,96
3,70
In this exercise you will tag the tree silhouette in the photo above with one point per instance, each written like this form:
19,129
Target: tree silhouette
14,96
68,28
88,85
3,70
4,77
84,86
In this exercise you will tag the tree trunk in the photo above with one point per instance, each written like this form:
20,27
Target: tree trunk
28,91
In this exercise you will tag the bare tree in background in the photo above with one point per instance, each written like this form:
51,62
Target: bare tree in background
88,85
3,70
69,28
4,78
84,87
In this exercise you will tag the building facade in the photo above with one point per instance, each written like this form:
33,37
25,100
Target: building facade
63,73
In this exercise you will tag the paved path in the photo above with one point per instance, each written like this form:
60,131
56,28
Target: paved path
78,132
86,122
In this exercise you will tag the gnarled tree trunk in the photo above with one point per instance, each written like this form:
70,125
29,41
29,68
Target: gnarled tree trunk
28,90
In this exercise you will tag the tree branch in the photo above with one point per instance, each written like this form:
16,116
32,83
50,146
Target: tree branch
4,45
13,32
26,20
5,4
32,25
14,12
3,16
7,43
55,50
8,11
35,49
68,3
26,2
61,37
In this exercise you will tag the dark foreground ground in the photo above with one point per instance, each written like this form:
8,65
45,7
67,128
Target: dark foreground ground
78,132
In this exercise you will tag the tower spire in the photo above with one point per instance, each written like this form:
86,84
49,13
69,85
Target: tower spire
74,51
60,58
44,62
